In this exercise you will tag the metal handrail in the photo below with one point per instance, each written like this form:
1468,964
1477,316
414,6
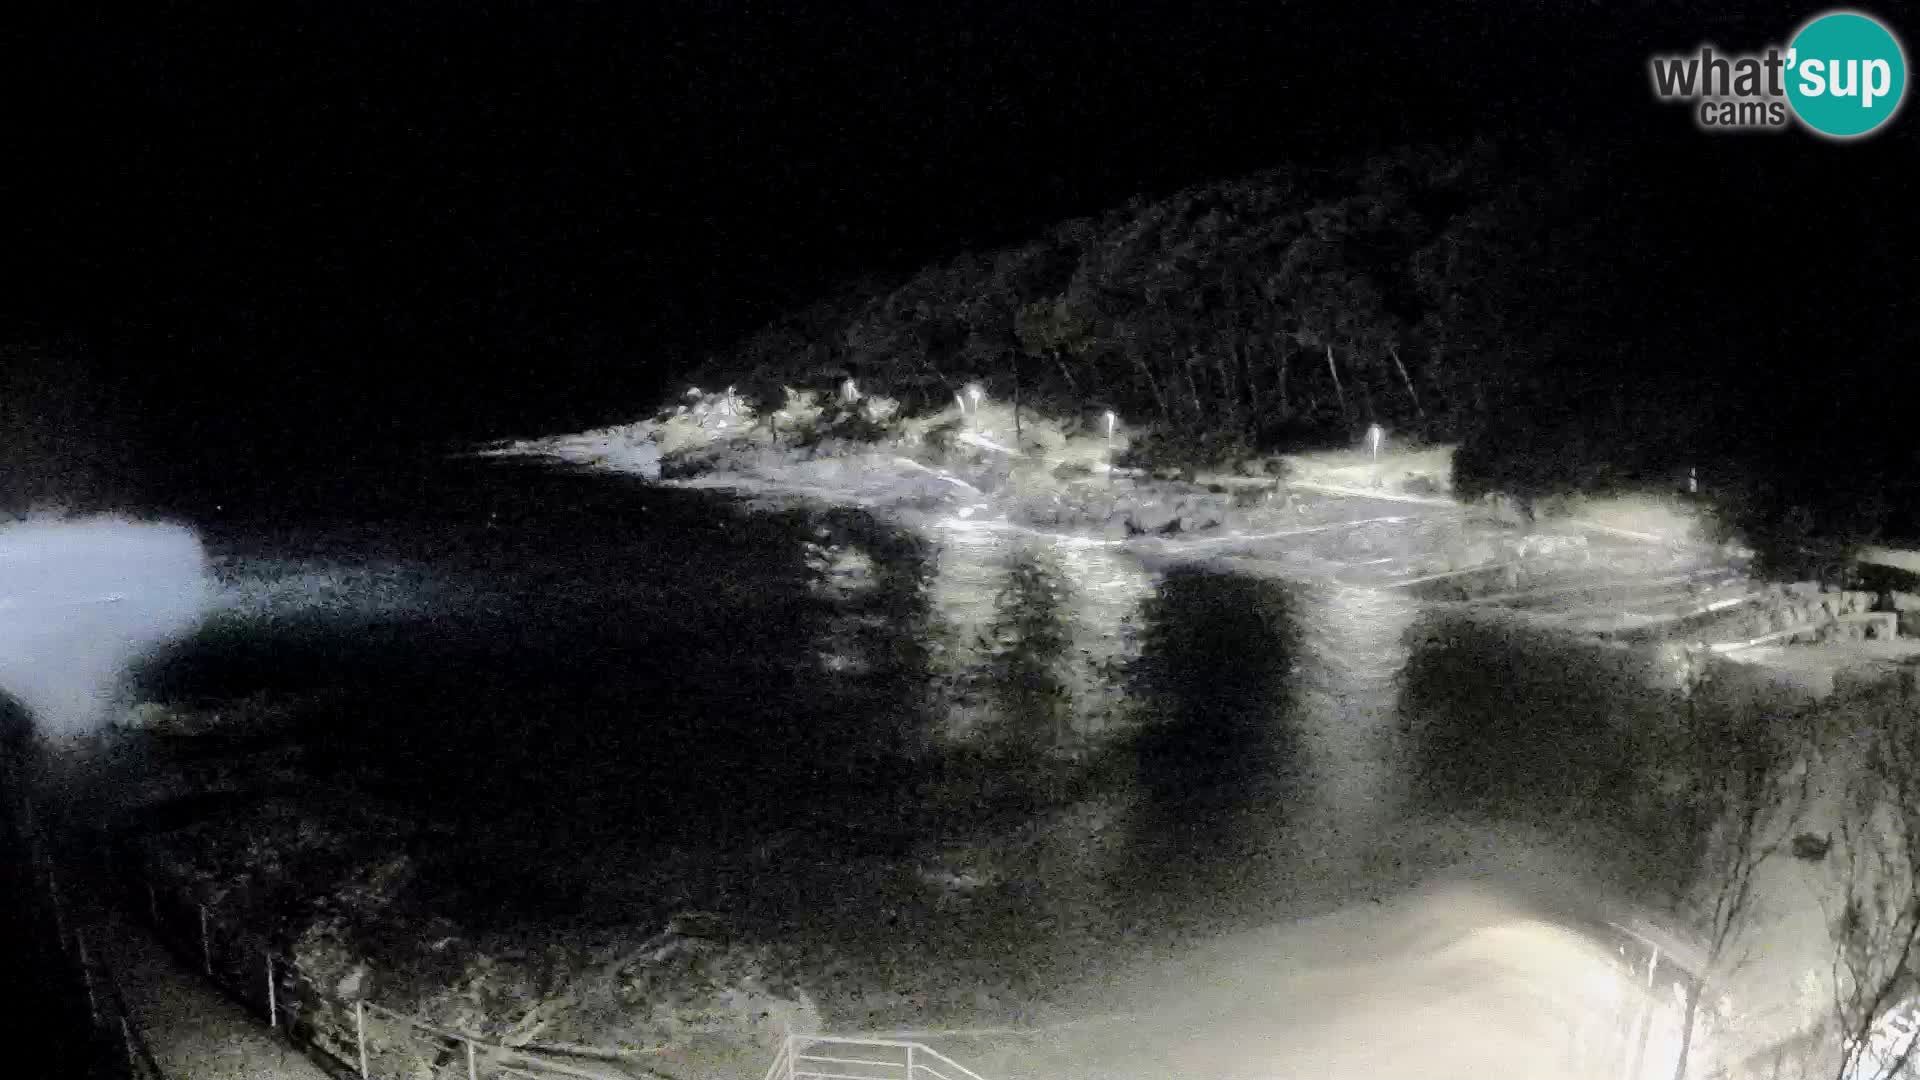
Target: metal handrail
782,1060
107,1009
920,1060
139,1053
523,1063
532,1059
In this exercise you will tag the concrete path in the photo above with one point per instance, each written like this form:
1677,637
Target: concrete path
193,1032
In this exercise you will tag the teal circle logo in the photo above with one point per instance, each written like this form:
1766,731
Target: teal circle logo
1846,74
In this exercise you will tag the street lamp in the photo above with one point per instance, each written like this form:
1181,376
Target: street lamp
1110,422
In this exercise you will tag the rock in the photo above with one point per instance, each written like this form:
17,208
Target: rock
1097,509
1502,509
1811,847
1419,484
1152,517
702,925
644,457
987,481
353,985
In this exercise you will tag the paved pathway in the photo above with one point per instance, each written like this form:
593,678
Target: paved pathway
193,1031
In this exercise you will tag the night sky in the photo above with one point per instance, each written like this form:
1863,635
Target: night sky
294,238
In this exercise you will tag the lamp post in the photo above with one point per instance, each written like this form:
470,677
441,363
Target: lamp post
1110,422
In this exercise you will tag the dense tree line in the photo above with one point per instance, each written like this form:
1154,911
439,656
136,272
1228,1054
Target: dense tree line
1265,308
1553,321
1426,291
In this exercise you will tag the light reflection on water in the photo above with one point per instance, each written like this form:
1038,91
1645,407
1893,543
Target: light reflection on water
1104,586
1353,645
1384,707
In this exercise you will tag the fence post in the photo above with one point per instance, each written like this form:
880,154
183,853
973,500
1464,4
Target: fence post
471,1073
909,1061
86,976
360,1034
59,910
273,996
206,943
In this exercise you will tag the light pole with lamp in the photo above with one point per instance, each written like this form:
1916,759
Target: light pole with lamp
1110,422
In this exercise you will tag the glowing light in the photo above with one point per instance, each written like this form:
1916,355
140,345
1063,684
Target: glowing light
1376,438
97,594
1110,422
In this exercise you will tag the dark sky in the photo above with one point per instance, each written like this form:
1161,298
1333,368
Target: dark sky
271,233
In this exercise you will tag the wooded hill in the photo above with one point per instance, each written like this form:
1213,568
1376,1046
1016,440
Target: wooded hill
1288,307
1569,330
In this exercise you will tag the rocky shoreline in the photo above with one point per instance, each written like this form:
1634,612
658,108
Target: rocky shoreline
1058,480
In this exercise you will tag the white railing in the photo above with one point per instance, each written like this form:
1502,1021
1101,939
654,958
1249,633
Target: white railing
833,1057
